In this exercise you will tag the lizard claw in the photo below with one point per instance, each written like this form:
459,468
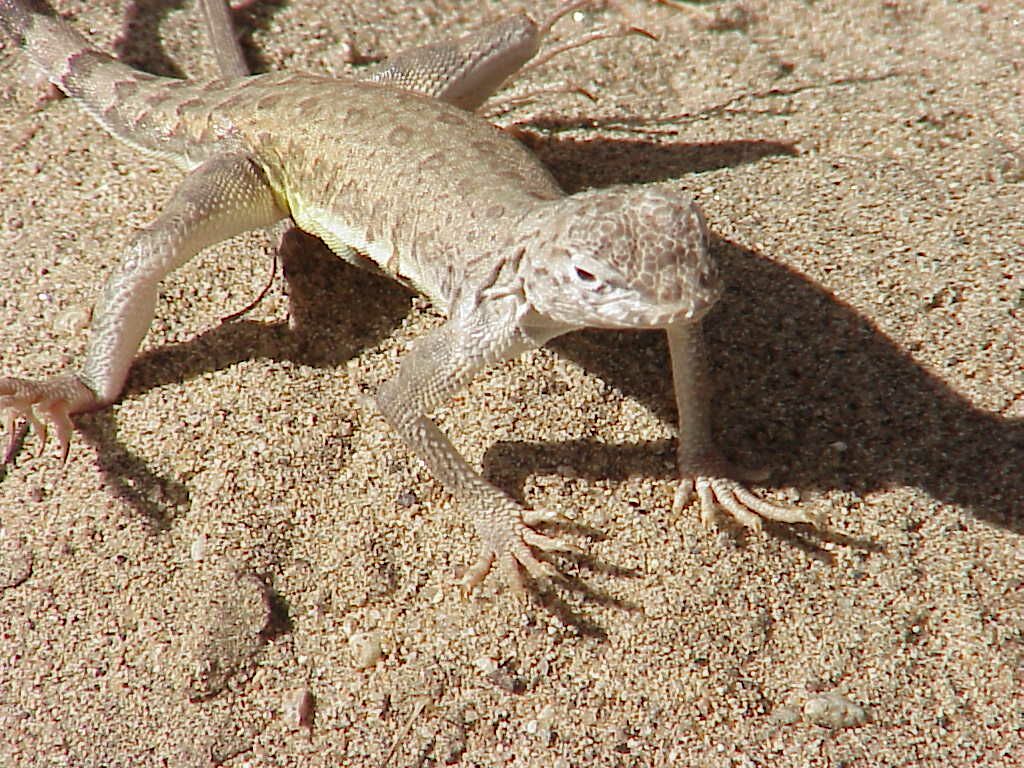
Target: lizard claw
53,400
514,553
715,489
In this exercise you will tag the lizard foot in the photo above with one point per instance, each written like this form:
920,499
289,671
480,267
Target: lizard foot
513,548
715,488
42,402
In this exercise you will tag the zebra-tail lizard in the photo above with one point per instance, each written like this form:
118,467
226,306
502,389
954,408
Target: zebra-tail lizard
493,242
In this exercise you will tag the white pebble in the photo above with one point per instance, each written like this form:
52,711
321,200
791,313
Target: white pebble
198,548
365,648
833,710
73,320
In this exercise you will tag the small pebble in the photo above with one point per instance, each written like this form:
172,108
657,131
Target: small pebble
833,710
198,549
15,562
542,725
73,320
365,648
229,614
298,708
433,594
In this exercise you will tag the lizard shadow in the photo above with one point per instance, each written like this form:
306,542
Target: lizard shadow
140,44
602,162
848,409
838,407
248,17
329,325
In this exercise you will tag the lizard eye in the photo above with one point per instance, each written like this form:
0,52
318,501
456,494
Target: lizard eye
586,277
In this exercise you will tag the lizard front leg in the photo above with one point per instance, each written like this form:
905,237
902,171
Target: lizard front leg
225,196
705,473
436,368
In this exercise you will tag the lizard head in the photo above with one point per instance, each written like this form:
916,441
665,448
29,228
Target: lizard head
623,257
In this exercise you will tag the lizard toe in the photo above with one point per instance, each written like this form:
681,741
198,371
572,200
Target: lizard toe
537,516
718,485
509,563
548,543
43,404
745,507
59,417
516,555
478,571
539,571
683,495
722,492
17,401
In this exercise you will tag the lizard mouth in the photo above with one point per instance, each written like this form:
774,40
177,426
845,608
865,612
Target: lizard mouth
620,315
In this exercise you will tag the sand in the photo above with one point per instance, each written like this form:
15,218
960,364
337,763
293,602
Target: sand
241,564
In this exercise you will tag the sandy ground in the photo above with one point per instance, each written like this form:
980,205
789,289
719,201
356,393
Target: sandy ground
243,526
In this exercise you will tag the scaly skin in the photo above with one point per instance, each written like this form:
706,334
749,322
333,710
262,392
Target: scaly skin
494,243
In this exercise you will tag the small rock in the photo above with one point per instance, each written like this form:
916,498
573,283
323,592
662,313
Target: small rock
833,710
486,664
542,724
298,708
73,320
198,548
231,614
507,681
365,648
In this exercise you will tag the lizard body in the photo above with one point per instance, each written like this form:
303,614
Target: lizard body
428,193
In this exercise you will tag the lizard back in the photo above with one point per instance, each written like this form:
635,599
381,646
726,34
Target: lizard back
417,186
335,151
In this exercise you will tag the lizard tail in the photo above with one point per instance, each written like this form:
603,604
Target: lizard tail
125,101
